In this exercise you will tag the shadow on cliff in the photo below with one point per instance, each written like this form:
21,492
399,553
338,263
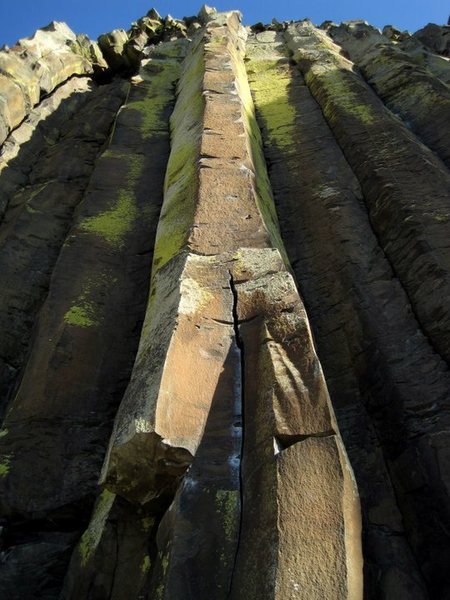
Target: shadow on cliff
19,203
36,549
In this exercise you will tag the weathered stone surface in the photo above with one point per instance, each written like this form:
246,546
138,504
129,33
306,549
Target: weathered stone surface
169,413
204,284
436,37
419,53
405,186
112,46
36,66
408,89
202,159
40,210
40,564
291,450
88,327
124,50
114,556
366,339
226,475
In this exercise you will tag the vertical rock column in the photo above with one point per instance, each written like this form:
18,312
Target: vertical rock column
300,533
44,184
406,187
401,380
387,385
57,426
409,89
225,326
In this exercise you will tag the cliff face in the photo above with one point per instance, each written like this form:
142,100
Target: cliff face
224,312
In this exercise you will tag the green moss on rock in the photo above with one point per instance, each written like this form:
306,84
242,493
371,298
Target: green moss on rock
5,464
92,536
228,505
269,83
114,224
339,88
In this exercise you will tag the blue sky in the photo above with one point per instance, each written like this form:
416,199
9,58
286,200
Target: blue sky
20,18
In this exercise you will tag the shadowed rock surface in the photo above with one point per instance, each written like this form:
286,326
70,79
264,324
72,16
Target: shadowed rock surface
224,312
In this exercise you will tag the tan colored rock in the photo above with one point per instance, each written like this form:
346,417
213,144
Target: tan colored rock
186,338
220,285
50,52
34,67
12,103
112,46
206,14
210,106
300,535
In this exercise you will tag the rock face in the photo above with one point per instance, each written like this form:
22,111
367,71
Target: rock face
224,316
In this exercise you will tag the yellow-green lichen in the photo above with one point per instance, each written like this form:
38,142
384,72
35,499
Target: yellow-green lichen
81,315
163,560
5,464
270,83
264,199
84,311
160,77
91,537
151,109
146,564
181,180
227,502
3,432
339,90
114,224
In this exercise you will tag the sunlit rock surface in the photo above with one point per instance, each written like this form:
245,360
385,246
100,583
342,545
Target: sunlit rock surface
224,312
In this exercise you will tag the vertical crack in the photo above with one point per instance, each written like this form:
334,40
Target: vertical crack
240,349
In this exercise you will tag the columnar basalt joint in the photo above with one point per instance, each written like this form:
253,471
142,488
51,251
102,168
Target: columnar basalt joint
213,101
407,88
306,162
87,329
408,204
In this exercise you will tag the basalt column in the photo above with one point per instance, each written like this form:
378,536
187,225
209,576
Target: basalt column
58,424
406,187
409,89
403,262
388,386
226,350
